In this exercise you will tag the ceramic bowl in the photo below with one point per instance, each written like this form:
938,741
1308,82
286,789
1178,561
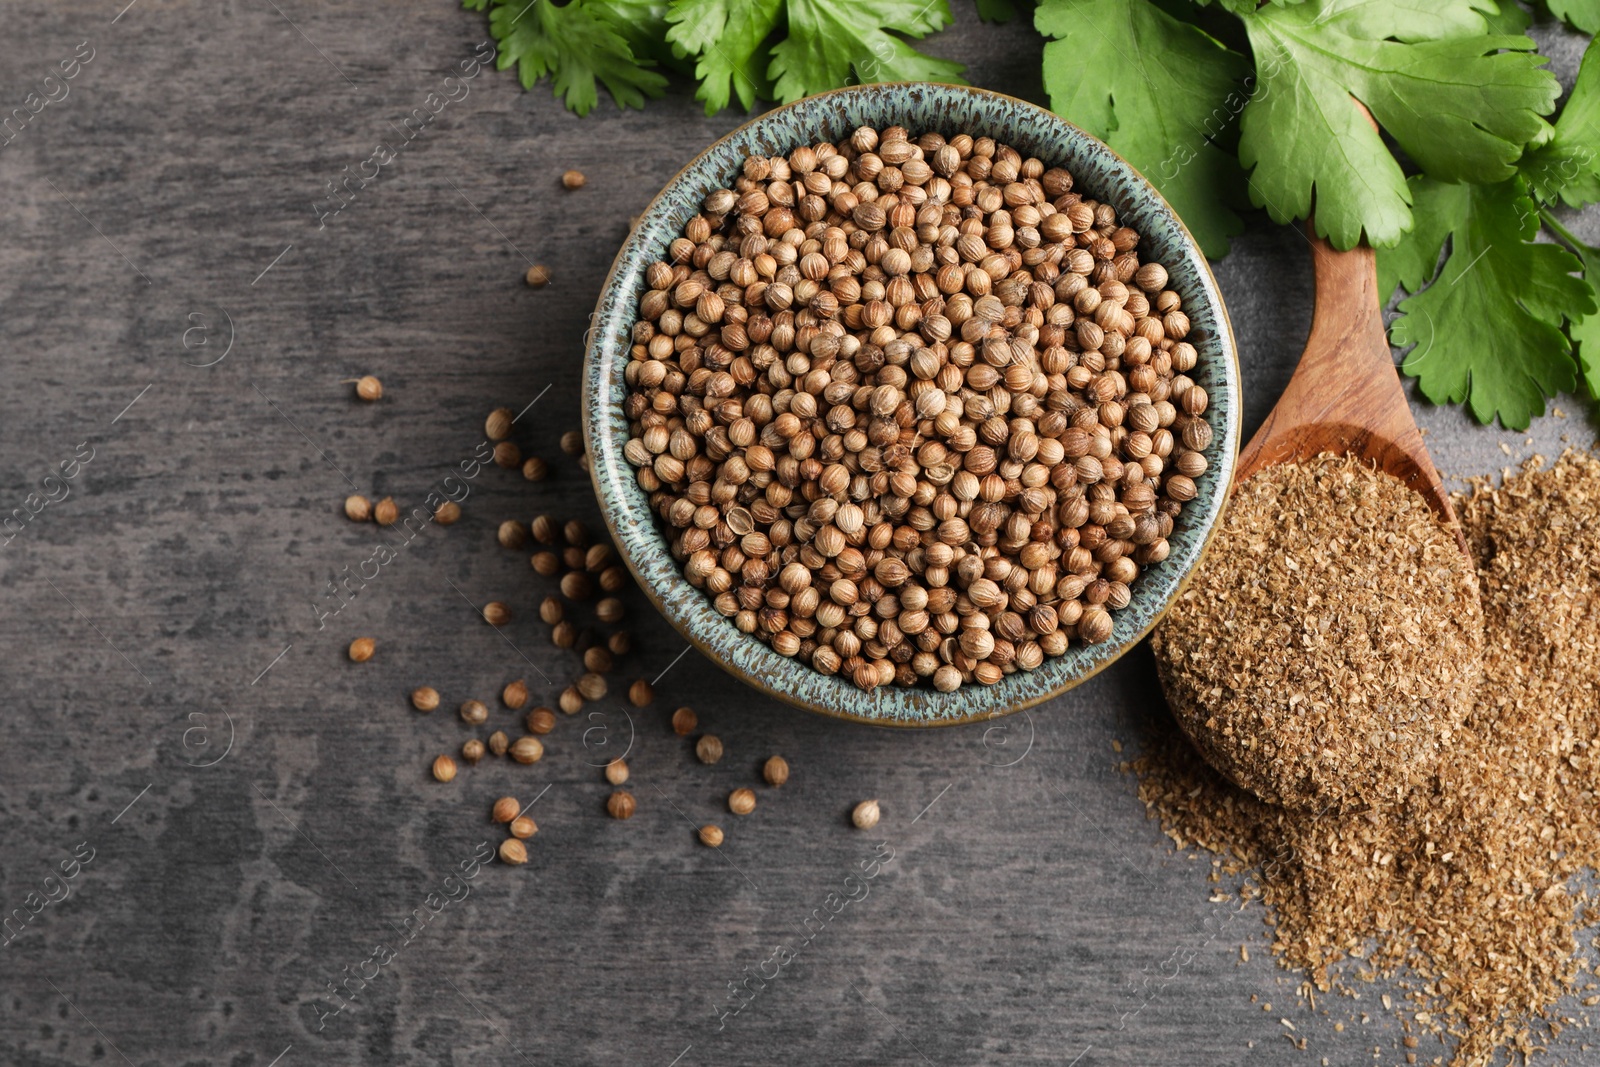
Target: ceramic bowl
919,107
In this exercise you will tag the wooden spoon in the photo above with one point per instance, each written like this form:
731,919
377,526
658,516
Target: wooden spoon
1345,396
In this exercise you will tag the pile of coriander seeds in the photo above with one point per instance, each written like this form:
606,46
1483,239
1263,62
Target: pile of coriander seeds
913,409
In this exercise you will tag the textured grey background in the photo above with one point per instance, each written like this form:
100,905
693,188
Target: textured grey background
254,834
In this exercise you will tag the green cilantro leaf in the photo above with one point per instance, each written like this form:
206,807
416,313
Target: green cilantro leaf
1488,328
726,36
1156,90
1586,331
1581,14
1568,163
577,45
1512,18
642,23
1241,7
830,42
996,10
1461,103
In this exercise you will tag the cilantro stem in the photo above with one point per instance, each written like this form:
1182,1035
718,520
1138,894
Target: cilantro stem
1565,235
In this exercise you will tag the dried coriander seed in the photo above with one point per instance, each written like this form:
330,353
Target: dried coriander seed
538,276
496,614
512,534
472,750
576,585
572,179
684,721
571,701
498,425
610,610
523,827
357,508
540,721
711,835
361,649
368,388
515,695
775,770
592,686
865,816
572,442
614,579
545,530
474,713
513,852
444,769
640,693
499,743
535,469
505,809
708,748
742,801
617,771
425,698
620,643
527,749
507,455
564,634
551,610
620,805
598,658
447,513
385,512
547,564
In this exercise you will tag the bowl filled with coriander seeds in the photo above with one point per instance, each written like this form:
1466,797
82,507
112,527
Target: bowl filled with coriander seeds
911,404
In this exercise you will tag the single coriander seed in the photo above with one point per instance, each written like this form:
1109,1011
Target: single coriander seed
708,748
357,508
498,425
508,455
444,769
563,634
865,815
551,610
505,809
385,512
515,695
538,276
775,770
620,643
547,564
535,469
711,835
513,852
620,804
425,698
598,658
617,771
523,827
545,530
474,713
369,388
362,648
499,742
572,442
512,534
472,750
742,801
527,749
496,613
447,513
576,585
573,179
592,686
684,720
540,721
609,610
640,693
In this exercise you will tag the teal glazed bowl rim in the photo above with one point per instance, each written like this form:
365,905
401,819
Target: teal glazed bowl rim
919,107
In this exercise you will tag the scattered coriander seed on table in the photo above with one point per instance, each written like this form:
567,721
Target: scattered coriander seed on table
571,701
447,513
362,648
505,809
523,827
544,529
742,801
775,770
708,749
367,387
598,658
551,610
508,455
640,693
425,698
576,534
617,771
444,769
614,578
535,469
496,614
684,721
547,564
527,750
572,442
385,512
592,686
572,558
540,721
498,425
472,750
564,634
610,610
513,852
357,508
620,643
573,179
474,713
538,276
598,557
711,835
865,815
512,534
515,695
620,804
499,743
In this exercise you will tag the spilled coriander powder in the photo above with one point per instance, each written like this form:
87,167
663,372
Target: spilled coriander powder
1471,892
1327,650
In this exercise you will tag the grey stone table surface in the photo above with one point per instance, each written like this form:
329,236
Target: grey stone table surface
249,816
